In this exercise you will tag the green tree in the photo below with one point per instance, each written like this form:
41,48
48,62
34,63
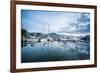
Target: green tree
24,33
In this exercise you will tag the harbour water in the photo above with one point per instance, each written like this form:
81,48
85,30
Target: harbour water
55,51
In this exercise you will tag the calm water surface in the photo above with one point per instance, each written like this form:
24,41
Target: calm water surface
55,51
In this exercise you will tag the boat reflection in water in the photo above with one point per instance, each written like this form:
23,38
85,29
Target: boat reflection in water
43,51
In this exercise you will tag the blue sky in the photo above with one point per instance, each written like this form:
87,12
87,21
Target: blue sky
52,21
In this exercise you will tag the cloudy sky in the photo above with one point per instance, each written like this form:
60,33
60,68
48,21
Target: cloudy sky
52,21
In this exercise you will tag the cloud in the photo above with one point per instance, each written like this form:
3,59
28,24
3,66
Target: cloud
63,22
79,24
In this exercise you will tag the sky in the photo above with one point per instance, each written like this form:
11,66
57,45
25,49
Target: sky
55,22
